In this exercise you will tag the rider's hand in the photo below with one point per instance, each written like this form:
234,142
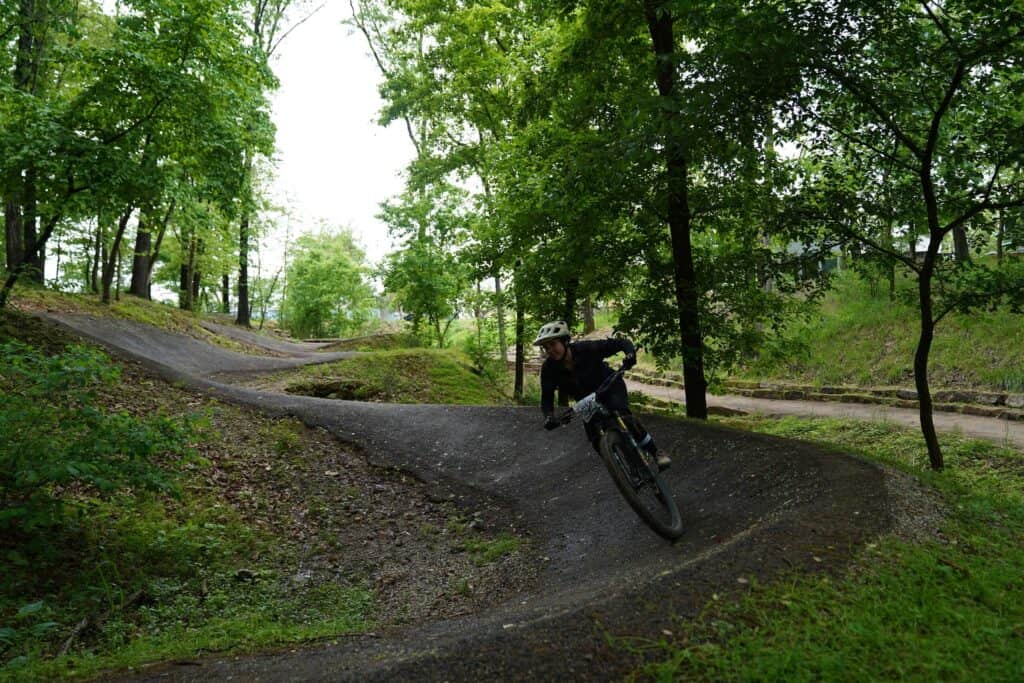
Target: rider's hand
629,361
551,423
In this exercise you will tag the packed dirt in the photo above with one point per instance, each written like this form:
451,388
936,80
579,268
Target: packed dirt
754,507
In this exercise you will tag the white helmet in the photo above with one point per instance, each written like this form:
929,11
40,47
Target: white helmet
554,330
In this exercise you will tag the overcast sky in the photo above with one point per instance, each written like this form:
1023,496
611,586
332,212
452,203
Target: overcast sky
334,161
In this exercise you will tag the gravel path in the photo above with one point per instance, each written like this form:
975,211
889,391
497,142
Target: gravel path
754,506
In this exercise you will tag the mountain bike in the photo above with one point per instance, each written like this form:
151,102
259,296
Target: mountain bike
633,469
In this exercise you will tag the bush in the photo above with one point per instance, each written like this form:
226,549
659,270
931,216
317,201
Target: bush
60,448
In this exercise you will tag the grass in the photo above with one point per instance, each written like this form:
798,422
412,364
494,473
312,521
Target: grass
862,338
164,316
488,550
404,376
948,608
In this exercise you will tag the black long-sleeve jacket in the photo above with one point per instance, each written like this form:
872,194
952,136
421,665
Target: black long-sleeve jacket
589,370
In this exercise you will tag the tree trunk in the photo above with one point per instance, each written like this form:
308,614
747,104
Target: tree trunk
499,308
94,284
190,275
156,248
660,25
140,261
35,251
924,345
244,312
961,250
225,294
110,261
588,316
117,281
183,287
572,287
924,291
13,232
517,391
1000,236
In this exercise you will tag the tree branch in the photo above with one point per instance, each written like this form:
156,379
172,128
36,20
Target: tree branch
294,26
871,104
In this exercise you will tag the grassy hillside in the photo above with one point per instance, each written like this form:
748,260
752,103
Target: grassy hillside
400,376
860,337
30,298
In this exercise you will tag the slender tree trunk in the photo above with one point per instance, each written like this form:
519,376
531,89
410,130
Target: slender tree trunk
924,291
110,262
14,234
924,345
660,24
140,261
156,248
56,267
588,316
517,391
499,308
183,288
1000,236
225,294
244,313
117,284
572,287
961,250
189,276
35,251
94,282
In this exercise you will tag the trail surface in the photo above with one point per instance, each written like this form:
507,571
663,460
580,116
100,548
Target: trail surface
753,505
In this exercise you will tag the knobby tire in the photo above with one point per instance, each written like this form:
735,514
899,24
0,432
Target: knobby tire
662,516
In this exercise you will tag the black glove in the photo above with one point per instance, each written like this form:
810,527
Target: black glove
629,361
551,423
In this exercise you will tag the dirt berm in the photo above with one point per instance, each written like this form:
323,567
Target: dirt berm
754,507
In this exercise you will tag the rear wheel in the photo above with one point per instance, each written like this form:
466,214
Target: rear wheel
638,480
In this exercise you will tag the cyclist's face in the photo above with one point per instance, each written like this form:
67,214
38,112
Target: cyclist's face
554,349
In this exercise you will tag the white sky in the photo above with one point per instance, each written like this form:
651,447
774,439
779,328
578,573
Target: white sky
334,161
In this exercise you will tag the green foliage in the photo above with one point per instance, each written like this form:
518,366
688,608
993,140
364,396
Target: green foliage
941,608
327,292
59,446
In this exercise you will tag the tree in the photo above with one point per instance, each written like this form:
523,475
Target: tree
425,275
328,291
931,93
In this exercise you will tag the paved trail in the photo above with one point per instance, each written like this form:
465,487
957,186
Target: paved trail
1004,432
754,506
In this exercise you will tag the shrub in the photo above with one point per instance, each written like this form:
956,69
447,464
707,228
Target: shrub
60,447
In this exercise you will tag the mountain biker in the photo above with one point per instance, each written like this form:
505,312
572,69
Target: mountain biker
577,369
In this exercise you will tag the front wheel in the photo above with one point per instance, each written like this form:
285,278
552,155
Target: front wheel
636,475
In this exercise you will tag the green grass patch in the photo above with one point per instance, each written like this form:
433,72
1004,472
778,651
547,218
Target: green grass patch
161,315
485,551
377,342
949,608
861,337
402,376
